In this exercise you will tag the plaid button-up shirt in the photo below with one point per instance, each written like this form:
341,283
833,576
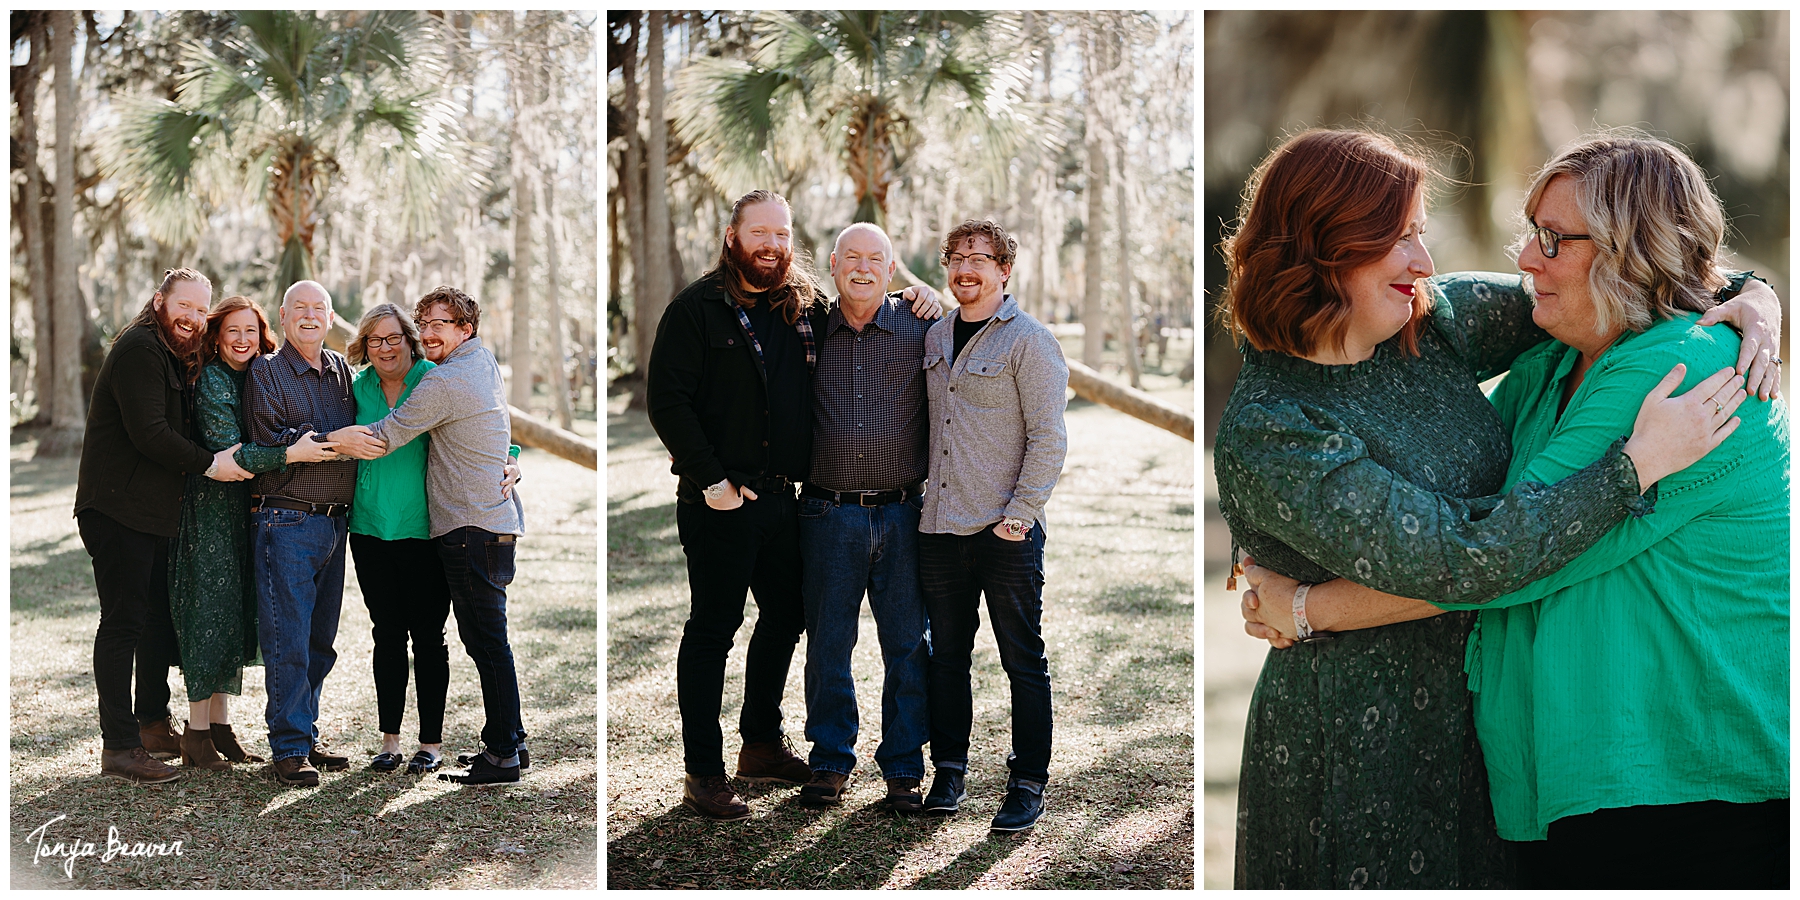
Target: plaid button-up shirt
868,411
286,397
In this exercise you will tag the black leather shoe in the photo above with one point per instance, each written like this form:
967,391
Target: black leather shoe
423,762
1024,803
483,772
947,792
468,759
385,762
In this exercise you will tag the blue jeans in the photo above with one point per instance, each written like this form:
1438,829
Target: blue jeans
954,572
298,564
478,567
846,550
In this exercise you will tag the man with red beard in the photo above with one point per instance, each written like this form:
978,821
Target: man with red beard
730,395
137,448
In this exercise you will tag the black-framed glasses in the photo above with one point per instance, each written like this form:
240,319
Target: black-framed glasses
1550,242
392,340
435,324
977,260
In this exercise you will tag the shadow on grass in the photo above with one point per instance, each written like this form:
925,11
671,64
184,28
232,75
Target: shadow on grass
61,586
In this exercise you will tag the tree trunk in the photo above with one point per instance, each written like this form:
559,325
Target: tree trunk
632,178
31,222
657,285
1127,314
1093,304
524,104
69,413
558,375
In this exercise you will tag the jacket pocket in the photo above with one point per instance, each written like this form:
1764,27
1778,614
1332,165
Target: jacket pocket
985,383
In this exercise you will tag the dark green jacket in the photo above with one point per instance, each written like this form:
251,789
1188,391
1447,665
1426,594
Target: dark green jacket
139,437
708,396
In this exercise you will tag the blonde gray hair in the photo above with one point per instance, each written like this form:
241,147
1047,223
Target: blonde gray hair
358,353
1657,226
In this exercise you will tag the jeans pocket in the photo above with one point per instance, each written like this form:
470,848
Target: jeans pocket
814,508
272,517
500,559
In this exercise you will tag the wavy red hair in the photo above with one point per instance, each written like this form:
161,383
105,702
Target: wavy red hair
1324,204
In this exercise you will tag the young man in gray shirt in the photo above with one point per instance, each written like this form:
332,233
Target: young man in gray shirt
996,381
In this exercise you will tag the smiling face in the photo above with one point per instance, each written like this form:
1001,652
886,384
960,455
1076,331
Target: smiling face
976,280
306,316
182,314
438,335
762,245
1381,293
239,337
390,358
1564,307
861,266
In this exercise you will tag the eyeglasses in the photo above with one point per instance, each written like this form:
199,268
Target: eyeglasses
435,324
1550,242
976,260
392,340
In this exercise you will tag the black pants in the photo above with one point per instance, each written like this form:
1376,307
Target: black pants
131,574
1710,844
403,587
755,547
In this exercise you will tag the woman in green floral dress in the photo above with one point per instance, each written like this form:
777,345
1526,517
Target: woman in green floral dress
211,598
1357,442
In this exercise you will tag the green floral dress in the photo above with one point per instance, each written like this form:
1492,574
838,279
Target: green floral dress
211,597
1360,763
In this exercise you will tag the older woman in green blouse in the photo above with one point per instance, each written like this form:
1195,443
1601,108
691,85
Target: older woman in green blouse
1631,706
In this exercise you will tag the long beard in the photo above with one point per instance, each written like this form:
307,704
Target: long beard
752,272
173,338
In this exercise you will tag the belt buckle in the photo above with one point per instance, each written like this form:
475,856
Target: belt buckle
862,500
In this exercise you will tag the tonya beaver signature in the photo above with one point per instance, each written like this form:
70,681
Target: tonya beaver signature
77,848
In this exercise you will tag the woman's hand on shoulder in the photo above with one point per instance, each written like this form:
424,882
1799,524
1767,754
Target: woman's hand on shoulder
1672,433
1756,314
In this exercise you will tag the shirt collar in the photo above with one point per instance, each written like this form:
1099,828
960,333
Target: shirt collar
327,362
883,315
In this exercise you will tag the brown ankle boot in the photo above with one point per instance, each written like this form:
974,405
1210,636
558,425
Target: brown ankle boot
227,744
772,761
197,750
159,738
136,765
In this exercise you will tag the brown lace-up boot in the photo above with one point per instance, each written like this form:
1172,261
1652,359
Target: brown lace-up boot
775,761
713,797
136,765
159,738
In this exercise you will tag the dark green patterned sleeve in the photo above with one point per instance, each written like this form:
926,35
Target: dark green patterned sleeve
1307,482
1486,316
216,403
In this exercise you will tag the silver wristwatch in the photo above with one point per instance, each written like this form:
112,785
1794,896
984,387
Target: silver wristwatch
717,491
1016,526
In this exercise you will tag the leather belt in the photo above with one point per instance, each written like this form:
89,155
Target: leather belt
769,484
861,498
257,501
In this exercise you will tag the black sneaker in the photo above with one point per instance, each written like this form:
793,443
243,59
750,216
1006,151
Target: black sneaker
1024,803
468,759
947,792
483,772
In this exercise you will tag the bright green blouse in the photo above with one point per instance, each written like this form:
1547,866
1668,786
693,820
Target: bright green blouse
390,491
1654,668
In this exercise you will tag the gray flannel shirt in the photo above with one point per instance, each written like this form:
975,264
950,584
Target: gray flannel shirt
997,435
462,403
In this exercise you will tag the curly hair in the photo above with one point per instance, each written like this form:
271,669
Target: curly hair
209,348
1006,247
463,308
1656,224
1326,203
358,352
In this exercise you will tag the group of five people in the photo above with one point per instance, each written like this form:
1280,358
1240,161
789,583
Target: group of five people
221,482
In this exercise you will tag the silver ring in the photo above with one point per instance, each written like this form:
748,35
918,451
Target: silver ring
1775,359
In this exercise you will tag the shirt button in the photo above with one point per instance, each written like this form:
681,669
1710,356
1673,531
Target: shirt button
765,443
942,485
859,368
953,389
859,396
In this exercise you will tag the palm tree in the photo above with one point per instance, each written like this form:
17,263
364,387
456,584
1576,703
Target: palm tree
858,83
279,106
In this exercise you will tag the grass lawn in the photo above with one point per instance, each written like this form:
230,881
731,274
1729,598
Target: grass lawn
357,829
1119,625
